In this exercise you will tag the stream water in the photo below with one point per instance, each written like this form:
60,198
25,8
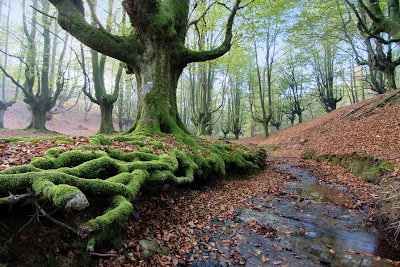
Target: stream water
329,232
315,231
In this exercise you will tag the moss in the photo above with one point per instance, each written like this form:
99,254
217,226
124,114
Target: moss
123,138
66,159
99,139
60,139
102,168
20,169
135,143
120,212
157,144
148,165
131,156
61,195
146,150
64,177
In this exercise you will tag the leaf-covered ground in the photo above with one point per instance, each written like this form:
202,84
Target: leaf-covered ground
348,129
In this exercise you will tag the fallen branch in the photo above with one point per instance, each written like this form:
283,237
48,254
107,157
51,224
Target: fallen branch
54,220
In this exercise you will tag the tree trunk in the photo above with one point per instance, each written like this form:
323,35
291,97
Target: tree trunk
106,120
157,83
265,128
236,133
390,79
38,121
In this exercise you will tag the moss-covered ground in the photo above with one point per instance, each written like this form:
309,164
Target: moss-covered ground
115,169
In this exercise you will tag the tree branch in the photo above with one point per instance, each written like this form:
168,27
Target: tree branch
71,19
198,56
41,12
201,16
14,81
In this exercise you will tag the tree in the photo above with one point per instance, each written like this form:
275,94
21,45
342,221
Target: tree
155,51
323,62
39,96
292,84
277,116
101,97
375,22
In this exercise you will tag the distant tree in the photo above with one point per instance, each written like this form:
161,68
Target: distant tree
277,118
292,85
100,97
236,95
40,97
324,63
5,103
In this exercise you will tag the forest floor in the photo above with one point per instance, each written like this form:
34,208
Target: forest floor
295,212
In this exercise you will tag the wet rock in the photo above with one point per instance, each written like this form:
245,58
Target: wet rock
149,248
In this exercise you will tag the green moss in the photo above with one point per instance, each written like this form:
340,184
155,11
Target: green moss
99,139
20,169
135,143
146,150
102,168
157,144
60,139
60,195
64,177
120,212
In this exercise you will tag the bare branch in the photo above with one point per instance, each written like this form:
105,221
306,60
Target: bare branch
94,16
201,16
198,56
43,13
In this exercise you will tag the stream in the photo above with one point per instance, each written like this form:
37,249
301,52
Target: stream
312,232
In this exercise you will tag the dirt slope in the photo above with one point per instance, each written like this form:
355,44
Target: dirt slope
345,130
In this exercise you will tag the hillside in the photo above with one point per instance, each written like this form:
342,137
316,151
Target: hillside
354,128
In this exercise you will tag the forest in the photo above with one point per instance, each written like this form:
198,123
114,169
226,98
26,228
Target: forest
183,101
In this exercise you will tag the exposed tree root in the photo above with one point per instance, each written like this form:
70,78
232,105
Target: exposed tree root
70,179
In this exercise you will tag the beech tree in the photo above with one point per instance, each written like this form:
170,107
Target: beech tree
154,51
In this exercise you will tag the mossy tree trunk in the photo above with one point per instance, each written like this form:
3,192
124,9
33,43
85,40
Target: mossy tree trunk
155,52
101,97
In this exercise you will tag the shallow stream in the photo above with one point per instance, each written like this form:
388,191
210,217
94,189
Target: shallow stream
315,231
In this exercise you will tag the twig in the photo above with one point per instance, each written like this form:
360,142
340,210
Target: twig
5,226
103,255
54,220
47,15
